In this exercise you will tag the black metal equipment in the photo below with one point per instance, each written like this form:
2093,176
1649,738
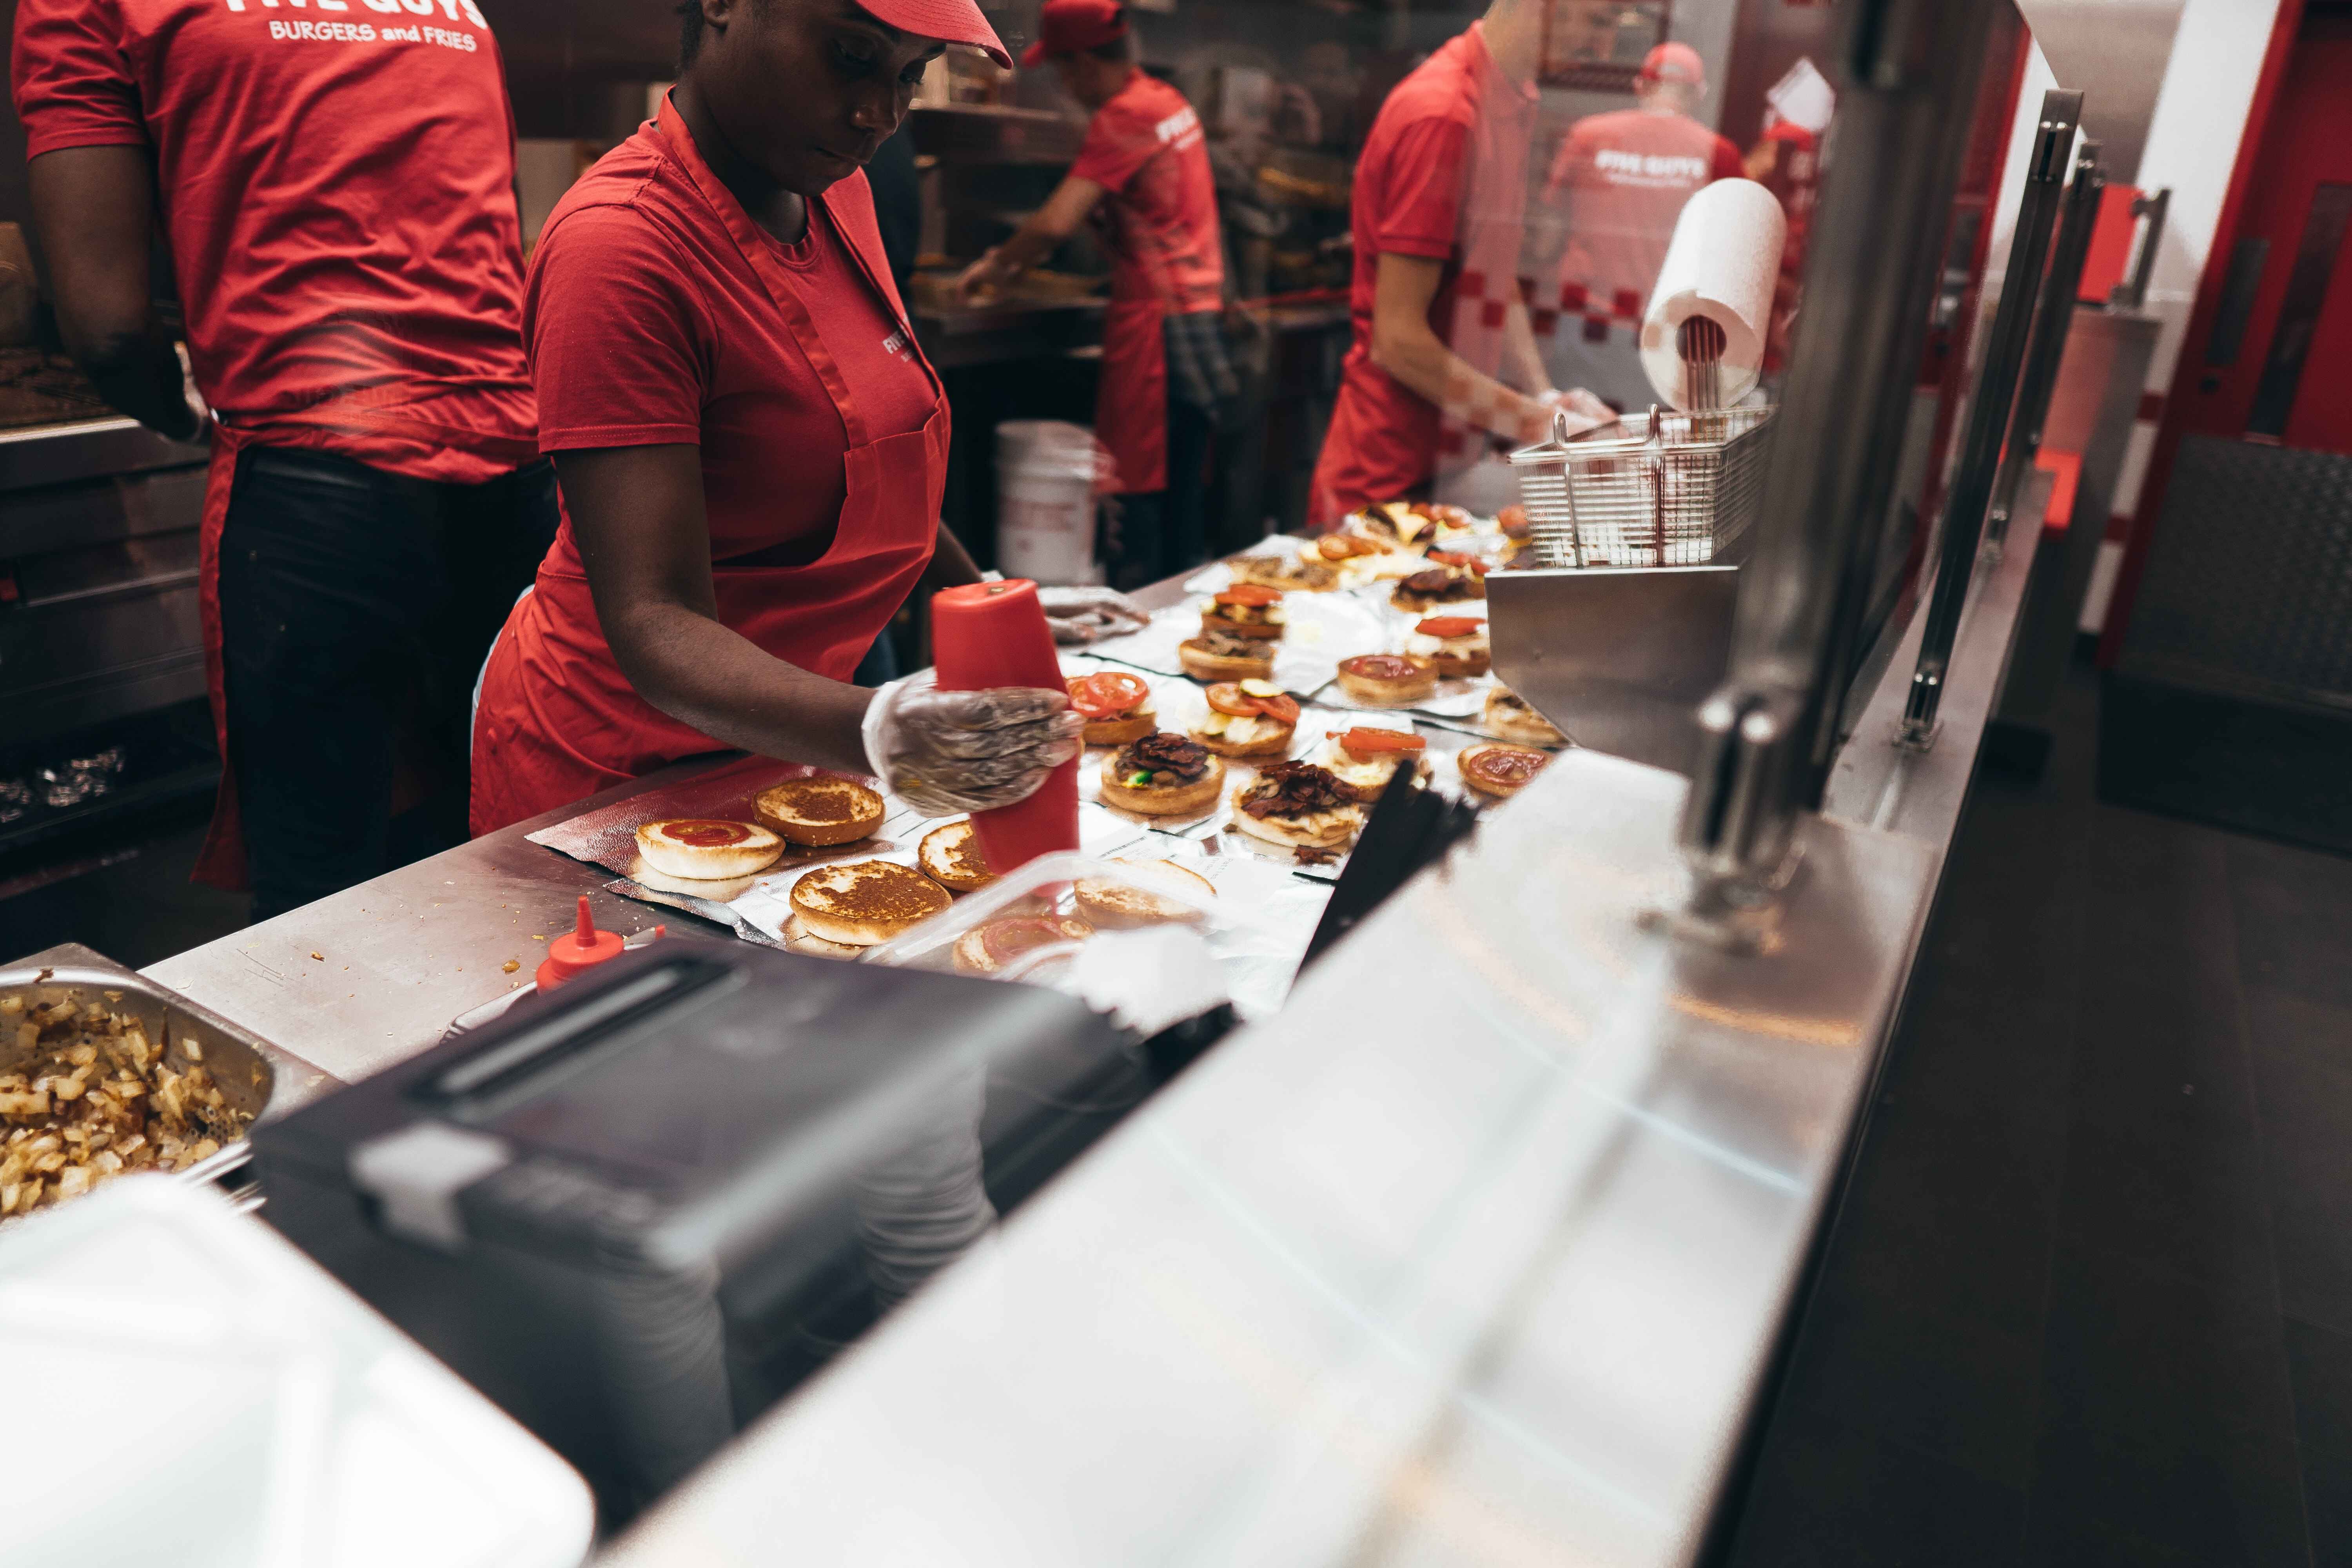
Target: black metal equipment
2052,323
634,1213
1412,826
1989,416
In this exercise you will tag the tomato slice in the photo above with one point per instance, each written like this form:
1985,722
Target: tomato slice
1281,709
1228,698
1366,743
1108,695
1449,626
1255,594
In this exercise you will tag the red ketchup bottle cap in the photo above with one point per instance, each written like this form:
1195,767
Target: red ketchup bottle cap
578,950
987,635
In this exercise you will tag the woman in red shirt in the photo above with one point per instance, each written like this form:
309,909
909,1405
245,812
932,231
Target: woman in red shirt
751,446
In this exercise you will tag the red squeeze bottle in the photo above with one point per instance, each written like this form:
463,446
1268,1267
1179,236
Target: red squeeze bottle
994,634
582,949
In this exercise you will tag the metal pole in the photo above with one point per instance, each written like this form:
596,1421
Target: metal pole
1907,74
1971,494
2133,294
2051,327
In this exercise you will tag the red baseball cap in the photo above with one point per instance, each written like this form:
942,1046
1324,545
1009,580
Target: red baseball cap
1674,62
950,21
1068,26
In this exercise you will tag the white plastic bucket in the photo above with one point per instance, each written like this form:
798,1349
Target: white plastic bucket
1045,501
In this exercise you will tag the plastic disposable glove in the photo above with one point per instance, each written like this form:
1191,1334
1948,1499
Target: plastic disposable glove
948,752
1080,616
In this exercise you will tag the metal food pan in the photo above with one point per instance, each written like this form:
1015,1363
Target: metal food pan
252,1075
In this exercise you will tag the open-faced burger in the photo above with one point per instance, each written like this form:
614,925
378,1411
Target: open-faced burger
1453,645
1299,805
1246,610
1387,679
1117,707
1163,775
1363,759
1514,523
1501,772
1509,717
996,945
1396,524
1283,574
1457,580
1445,522
1221,655
1248,718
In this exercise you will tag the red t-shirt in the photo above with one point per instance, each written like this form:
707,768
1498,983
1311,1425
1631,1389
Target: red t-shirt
1146,148
647,326
1620,182
1444,177
338,190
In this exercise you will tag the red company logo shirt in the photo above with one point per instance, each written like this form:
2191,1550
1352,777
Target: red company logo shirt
337,182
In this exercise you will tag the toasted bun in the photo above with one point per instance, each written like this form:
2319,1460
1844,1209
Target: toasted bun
1517,725
1400,692
820,813
1458,665
727,848
1144,720
1274,742
1202,665
974,954
1365,779
866,902
1120,905
1467,761
1256,631
1163,800
1332,828
951,857
1403,598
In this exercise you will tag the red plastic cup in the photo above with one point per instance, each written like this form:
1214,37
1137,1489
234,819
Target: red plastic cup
994,634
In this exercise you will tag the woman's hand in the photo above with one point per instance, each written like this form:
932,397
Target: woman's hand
949,752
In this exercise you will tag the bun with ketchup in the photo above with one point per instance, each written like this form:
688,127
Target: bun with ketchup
1500,772
1163,775
1248,718
995,945
1363,760
700,850
1245,610
1221,655
1453,645
1453,580
1509,718
1298,805
819,813
1117,707
1387,679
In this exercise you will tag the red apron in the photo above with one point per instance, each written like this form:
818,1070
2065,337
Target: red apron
1132,411
558,720
222,862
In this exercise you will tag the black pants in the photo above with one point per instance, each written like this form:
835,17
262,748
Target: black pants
1165,532
356,608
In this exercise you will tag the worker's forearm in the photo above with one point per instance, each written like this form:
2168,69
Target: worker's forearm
1426,365
951,564
139,373
701,674
1030,244
1521,355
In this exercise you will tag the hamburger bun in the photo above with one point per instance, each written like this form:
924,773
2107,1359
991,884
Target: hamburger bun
1257,737
1121,904
951,857
820,813
1499,772
698,849
995,945
1366,776
1116,728
1182,798
1334,827
1453,652
1507,717
1120,732
1387,679
1214,619
1203,665
866,902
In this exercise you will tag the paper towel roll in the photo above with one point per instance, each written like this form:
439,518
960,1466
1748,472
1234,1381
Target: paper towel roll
1723,264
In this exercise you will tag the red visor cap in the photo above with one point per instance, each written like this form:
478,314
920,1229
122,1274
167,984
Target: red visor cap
1674,62
950,21
1068,26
